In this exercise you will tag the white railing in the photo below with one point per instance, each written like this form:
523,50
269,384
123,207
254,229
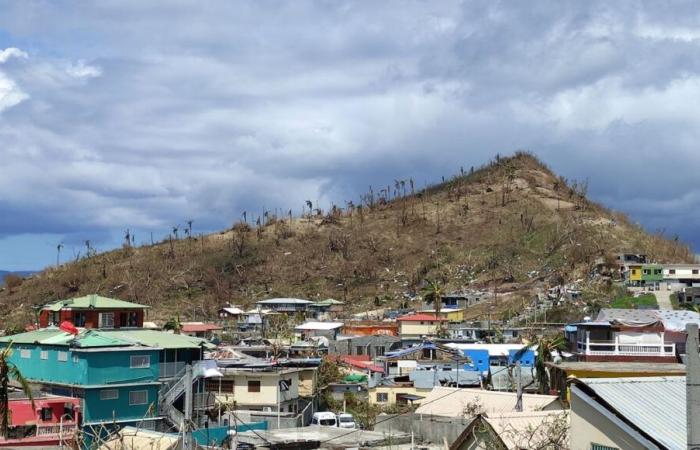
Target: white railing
619,349
54,430
171,369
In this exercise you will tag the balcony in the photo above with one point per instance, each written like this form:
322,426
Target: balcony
620,349
171,369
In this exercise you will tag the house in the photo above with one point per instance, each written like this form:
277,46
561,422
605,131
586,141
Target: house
628,413
231,314
200,329
515,431
52,420
391,392
679,275
329,330
93,311
416,326
475,332
118,374
370,328
452,315
258,387
403,361
452,402
632,335
326,308
285,305
562,372
370,346
462,300
644,275
689,295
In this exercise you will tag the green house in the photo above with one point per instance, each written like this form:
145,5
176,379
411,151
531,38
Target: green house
652,274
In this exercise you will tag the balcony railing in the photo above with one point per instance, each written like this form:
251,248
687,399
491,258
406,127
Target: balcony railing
170,369
617,348
65,430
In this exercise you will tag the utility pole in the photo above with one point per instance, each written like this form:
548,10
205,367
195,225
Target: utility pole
187,432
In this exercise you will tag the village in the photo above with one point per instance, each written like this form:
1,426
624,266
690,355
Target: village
292,373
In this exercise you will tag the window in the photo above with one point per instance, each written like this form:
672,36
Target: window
212,385
695,271
44,354
138,397
359,350
75,359
379,350
79,319
62,356
109,394
46,414
672,271
602,447
253,385
128,319
106,320
140,362
54,318
382,397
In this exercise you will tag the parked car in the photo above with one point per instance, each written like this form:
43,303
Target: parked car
346,421
324,419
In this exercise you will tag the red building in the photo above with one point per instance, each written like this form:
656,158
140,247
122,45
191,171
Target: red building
93,311
52,420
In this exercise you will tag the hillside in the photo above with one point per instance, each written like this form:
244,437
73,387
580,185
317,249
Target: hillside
511,226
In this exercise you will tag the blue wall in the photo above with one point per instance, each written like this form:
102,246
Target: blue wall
480,360
83,368
115,367
95,409
49,370
527,359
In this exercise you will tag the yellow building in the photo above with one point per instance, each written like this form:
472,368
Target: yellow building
455,315
635,271
418,325
399,393
258,390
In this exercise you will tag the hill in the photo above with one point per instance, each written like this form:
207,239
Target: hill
511,226
19,273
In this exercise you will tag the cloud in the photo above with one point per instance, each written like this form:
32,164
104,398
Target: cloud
125,114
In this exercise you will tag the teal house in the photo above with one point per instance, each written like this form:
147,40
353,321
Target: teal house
120,374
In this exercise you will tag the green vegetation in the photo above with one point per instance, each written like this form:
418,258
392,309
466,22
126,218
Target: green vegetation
630,302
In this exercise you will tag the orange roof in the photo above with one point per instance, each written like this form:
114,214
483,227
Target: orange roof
199,327
420,318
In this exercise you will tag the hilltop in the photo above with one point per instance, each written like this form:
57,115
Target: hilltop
510,226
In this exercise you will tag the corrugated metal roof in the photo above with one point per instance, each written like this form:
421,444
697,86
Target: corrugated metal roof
92,301
655,405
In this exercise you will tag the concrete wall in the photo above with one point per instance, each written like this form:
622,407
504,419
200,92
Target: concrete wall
424,427
409,328
268,388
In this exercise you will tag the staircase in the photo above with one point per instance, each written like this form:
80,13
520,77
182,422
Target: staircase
169,393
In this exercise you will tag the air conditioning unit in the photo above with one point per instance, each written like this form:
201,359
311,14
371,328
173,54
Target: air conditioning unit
267,409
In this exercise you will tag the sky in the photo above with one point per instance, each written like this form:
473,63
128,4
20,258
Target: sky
136,115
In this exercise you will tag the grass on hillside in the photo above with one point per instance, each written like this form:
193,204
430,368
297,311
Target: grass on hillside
630,302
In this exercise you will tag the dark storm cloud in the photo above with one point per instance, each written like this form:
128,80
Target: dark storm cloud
125,114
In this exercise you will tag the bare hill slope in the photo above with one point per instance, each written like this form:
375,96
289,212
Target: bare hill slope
508,226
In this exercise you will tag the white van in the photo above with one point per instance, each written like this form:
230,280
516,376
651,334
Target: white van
324,419
346,420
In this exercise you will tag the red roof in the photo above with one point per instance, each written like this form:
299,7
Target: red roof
421,318
199,327
360,364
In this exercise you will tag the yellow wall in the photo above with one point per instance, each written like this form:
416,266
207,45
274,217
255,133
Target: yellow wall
416,329
392,391
636,273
